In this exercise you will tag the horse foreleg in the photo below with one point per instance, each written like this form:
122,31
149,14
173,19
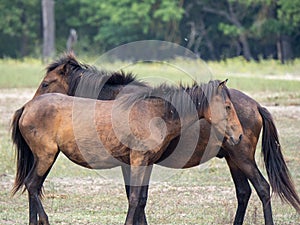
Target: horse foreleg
126,177
243,191
138,193
137,203
140,213
142,204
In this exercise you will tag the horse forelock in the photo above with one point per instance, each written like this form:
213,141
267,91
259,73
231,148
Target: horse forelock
66,59
226,93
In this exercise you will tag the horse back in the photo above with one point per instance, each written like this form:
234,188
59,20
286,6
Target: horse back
42,116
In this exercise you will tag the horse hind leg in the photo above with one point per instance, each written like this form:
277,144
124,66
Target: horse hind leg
251,171
34,186
34,183
263,190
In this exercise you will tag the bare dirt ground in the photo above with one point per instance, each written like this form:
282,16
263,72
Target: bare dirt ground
11,100
190,200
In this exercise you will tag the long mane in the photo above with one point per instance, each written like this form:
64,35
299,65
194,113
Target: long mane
87,81
180,100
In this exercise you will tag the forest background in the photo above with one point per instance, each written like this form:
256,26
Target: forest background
213,30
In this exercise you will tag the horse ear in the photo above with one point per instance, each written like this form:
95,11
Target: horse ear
70,65
222,85
66,68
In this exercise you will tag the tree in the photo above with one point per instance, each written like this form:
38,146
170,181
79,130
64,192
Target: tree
212,29
111,23
234,13
288,14
48,29
199,30
278,23
19,25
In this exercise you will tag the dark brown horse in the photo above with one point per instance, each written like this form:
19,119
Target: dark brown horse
65,74
132,131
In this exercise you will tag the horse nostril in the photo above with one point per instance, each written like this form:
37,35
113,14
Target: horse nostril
240,137
236,141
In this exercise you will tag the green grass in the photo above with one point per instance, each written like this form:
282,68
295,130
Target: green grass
20,74
247,76
239,66
260,84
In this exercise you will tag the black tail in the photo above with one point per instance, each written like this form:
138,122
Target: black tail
24,155
278,173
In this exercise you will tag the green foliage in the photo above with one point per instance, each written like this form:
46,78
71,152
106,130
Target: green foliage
168,11
122,21
103,25
19,17
289,14
20,24
230,30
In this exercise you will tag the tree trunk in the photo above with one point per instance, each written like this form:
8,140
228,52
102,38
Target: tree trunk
211,49
246,49
24,39
24,46
232,17
287,51
192,35
48,29
279,49
284,48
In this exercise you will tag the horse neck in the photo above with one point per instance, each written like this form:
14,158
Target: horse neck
190,105
202,96
178,121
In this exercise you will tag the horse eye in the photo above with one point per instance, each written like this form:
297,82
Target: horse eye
45,84
228,108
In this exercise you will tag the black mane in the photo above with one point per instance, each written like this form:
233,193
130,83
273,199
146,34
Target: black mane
180,100
87,81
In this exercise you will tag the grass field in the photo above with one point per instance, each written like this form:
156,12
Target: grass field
204,195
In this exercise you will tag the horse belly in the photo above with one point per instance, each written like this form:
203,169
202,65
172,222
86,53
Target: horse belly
89,154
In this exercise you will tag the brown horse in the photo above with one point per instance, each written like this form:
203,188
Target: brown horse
65,74
96,134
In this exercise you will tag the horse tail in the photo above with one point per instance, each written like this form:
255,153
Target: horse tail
277,170
24,156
